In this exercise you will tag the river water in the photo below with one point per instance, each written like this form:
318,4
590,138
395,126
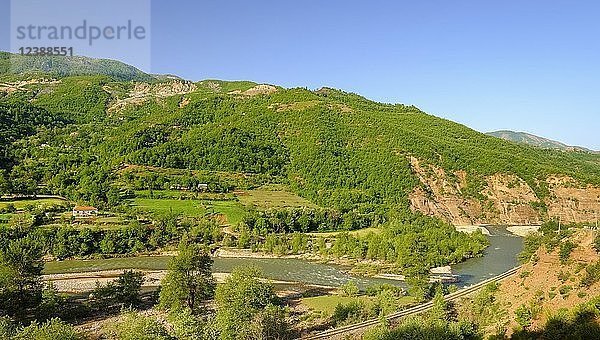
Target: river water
498,258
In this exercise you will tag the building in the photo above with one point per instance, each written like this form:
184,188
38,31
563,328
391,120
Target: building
84,211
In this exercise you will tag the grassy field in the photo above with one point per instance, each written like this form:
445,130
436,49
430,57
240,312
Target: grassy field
273,196
327,303
78,266
185,207
360,232
194,208
21,204
159,193
231,209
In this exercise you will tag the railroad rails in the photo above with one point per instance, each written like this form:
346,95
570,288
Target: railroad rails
349,329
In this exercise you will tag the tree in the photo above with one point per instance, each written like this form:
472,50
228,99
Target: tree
20,277
246,308
188,280
439,309
128,287
125,290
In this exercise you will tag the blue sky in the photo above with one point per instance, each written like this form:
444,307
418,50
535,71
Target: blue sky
521,65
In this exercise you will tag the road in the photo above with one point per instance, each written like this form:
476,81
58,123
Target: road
354,328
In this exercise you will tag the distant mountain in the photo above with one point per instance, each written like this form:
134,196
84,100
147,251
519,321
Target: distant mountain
70,66
537,141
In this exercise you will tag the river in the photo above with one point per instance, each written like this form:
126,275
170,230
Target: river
498,258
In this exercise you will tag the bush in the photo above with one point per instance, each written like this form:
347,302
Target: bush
373,290
524,316
418,329
565,251
349,289
7,327
51,330
134,326
125,290
564,290
271,323
186,326
247,307
592,274
349,313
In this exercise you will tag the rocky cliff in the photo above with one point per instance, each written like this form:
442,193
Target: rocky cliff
505,199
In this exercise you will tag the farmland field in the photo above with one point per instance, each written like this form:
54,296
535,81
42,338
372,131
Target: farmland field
21,204
273,197
327,303
231,209
194,208
185,207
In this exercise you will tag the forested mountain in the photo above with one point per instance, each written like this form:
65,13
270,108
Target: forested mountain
335,148
533,140
69,66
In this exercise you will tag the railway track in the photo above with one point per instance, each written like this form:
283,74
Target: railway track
332,333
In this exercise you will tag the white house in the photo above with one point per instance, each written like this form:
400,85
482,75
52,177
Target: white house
84,211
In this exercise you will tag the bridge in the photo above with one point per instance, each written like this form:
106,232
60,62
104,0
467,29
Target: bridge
357,327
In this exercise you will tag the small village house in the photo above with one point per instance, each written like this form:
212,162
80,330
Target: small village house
84,211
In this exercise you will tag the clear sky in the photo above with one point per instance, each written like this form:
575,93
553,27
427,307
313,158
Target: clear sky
522,65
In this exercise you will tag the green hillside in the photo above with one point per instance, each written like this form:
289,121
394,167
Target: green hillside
335,148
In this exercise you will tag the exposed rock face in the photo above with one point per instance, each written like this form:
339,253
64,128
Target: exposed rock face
506,199
571,201
142,92
22,85
256,90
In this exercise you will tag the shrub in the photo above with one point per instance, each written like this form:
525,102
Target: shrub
564,290
349,289
565,251
125,290
524,316
186,326
134,326
592,274
348,313
51,330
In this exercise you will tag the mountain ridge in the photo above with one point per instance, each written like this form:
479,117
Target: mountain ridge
63,66
537,141
334,148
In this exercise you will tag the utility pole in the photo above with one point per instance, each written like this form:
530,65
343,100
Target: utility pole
596,211
559,216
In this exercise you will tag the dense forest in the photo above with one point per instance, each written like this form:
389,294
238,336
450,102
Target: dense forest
337,149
